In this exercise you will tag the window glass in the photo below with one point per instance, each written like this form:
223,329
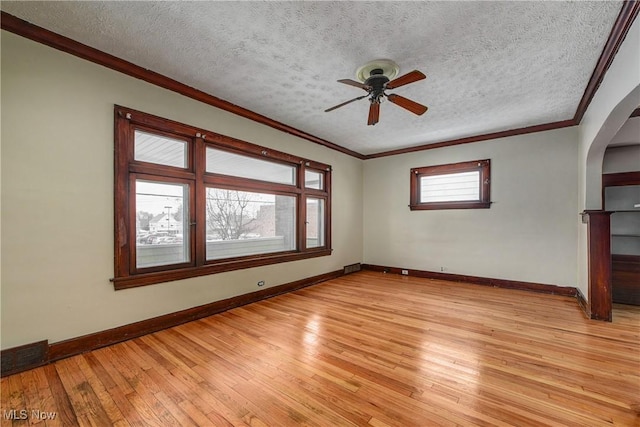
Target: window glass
241,223
462,186
315,222
225,163
159,149
162,223
313,179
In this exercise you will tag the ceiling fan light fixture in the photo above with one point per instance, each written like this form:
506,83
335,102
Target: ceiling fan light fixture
389,69
376,77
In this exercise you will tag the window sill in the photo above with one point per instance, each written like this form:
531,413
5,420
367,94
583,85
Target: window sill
219,267
450,205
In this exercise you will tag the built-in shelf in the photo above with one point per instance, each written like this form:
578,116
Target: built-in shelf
622,198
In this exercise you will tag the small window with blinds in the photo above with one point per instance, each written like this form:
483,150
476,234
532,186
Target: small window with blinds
462,185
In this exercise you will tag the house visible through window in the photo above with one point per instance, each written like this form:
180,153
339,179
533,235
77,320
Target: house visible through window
463,185
190,202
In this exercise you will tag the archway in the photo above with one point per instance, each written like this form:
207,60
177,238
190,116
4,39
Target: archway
610,127
598,220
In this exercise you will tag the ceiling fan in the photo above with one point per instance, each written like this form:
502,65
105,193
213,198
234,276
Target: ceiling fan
381,75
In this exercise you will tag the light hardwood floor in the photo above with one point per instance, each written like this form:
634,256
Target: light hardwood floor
364,349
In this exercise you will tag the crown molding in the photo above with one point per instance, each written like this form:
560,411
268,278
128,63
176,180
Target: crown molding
38,34
624,21
477,138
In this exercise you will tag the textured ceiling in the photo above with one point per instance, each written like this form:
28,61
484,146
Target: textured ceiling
490,66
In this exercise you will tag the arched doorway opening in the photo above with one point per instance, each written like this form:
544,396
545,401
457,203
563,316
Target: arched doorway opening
598,222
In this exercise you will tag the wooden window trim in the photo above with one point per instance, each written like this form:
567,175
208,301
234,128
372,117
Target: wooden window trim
126,275
482,166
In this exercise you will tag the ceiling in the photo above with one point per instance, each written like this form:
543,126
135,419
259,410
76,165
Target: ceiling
490,66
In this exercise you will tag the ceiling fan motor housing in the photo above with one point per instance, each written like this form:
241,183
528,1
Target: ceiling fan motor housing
377,81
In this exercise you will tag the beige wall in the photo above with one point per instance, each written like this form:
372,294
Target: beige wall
529,233
57,198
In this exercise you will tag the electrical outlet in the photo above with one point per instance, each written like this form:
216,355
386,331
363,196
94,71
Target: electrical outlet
261,283
405,272
441,268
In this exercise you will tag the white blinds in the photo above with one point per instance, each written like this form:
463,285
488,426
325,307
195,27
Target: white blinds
454,187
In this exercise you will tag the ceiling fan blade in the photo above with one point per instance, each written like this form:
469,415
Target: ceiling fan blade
410,77
374,113
345,103
355,83
407,104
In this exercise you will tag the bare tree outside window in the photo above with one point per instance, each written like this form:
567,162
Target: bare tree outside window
229,213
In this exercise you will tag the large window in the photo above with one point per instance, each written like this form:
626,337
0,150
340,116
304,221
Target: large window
190,202
463,185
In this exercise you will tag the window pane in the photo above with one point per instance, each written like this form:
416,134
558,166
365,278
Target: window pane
244,223
225,163
160,149
162,223
462,186
315,222
313,179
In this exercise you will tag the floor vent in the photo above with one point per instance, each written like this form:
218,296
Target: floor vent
348,269
28,356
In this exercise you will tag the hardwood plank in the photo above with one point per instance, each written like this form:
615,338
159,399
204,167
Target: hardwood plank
184,388
66,413
363,349
117,378
15,400
106,401
31,397
87,406
307,405
145,389
116,384
46,401
38,398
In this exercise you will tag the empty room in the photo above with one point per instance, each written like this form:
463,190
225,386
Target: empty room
322,213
